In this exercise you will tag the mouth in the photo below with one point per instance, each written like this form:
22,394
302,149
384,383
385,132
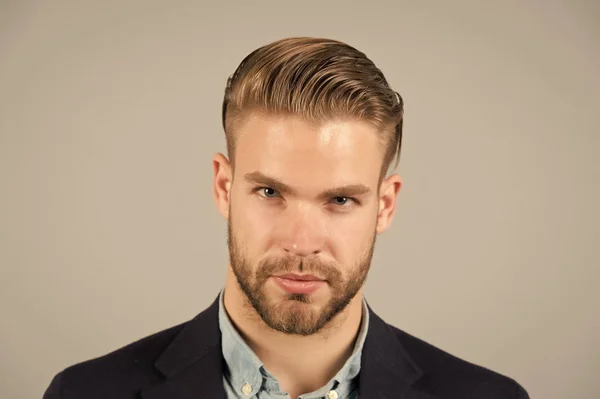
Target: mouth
300,277
299,284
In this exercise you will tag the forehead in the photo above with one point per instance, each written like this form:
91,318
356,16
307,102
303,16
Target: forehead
338,151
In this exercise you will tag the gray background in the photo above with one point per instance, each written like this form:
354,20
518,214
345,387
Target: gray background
110,112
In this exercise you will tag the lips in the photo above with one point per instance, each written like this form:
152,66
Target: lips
298,277
299,284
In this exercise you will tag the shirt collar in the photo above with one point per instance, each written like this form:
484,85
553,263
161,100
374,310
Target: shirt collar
244,367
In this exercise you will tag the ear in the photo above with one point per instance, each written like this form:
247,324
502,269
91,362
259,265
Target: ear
222,183
388,193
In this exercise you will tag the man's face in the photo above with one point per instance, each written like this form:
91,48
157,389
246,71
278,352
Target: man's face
303,211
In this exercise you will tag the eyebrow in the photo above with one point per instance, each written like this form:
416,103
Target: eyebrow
351,190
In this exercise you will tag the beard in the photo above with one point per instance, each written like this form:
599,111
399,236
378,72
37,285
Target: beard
294,314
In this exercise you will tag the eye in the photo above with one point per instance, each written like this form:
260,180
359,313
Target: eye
267,192
341,200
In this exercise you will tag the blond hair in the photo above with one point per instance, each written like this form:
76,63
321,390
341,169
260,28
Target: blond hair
318,80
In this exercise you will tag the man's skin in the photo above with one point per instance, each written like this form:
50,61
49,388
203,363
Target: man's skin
280,207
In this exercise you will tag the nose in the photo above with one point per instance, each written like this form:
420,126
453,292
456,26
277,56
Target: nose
302,232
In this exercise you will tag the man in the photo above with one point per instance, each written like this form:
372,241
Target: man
312,127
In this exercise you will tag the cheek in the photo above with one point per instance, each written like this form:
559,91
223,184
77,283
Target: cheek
348,237
252,225
354,240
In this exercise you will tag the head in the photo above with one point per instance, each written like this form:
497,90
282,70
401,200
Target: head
312,127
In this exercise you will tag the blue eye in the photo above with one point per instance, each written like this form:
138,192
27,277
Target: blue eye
340,200
268,192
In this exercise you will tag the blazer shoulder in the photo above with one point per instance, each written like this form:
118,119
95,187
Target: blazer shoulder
115,374
449,376
54,390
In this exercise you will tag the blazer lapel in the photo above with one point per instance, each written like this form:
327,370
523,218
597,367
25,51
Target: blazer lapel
193,362
387,371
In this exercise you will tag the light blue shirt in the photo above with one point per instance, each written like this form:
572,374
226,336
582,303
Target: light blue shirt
245,376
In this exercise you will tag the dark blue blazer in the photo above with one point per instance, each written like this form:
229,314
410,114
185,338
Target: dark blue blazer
185,362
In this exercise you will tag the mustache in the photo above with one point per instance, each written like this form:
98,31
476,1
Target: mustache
312,266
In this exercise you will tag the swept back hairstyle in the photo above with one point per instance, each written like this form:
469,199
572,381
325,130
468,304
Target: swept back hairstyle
318,80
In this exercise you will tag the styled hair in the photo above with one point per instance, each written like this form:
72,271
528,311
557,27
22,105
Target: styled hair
318,80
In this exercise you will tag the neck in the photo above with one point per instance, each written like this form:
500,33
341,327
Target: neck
300,363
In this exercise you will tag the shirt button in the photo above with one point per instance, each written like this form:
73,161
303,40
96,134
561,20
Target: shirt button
247,389
332,395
